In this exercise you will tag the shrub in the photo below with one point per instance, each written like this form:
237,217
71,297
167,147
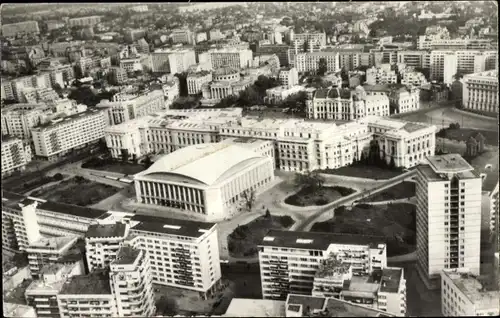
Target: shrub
58,177
79,179
344,191
363,206
321,201
268,214
286,221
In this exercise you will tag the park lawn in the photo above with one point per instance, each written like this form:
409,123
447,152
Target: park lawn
402,190
396,222
361,171
125,168
77,191
462,134
308,197
245,238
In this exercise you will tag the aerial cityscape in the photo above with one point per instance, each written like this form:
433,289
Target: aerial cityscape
250,159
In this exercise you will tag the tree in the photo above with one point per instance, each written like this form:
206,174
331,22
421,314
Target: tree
311,180
322,66
147,162
124,154
58,177
268,214
250,96
134,158
249,197
58,89
392,164
183,89
306,46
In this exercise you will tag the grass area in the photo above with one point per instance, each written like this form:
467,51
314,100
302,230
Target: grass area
369,172
16,296
307,197
244,239
462,134
402,190
126,168
77,191
396,222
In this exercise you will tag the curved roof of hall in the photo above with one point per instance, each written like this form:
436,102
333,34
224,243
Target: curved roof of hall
204,164
333,93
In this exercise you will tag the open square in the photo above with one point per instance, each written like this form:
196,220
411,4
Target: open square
307,197
77,191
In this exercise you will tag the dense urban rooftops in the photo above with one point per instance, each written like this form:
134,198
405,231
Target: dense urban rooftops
60,121
317,240
106,230
171,226
391,278
332,266
95,283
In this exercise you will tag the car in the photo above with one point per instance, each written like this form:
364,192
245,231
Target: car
224,261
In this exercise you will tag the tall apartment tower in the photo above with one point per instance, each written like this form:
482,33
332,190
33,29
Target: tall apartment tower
132,283
448,217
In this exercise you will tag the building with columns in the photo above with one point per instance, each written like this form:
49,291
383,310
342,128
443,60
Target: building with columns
480,91
226,82
181,179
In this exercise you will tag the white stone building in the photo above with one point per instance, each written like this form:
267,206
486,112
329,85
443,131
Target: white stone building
195,81
102,242
289,77
19,119
381,75
448,217
404,99
227,57
278,94
309,62
480,91
180,180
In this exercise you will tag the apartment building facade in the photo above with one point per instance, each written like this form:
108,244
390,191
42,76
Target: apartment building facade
125,107
449,220
290,260
195,81
381,75
15,155
102,242
14,29
309,62
84,21
289,77
404,99
19,119
237,58
57,137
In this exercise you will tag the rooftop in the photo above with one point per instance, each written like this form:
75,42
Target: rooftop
54,286
11,199
450,163
70,209
171,226
332,266
317,240
189,164
241,307
53,243
126,255
329,307
106,230
391,278
475,290
95,283
56,122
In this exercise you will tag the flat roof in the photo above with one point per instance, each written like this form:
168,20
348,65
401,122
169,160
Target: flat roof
55,286
171,226
12,200
391,277
70,209
126,255
59,121
317,240
340,308
474,289
96,283
450,163
53,243
106,230
243,307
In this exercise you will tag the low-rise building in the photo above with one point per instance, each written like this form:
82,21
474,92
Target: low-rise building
278,94
465,294
15,155
289,77
192,189
413,78
381,75
404,99
118,75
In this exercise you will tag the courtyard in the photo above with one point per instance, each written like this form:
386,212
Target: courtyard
125,168
76,191
396,222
